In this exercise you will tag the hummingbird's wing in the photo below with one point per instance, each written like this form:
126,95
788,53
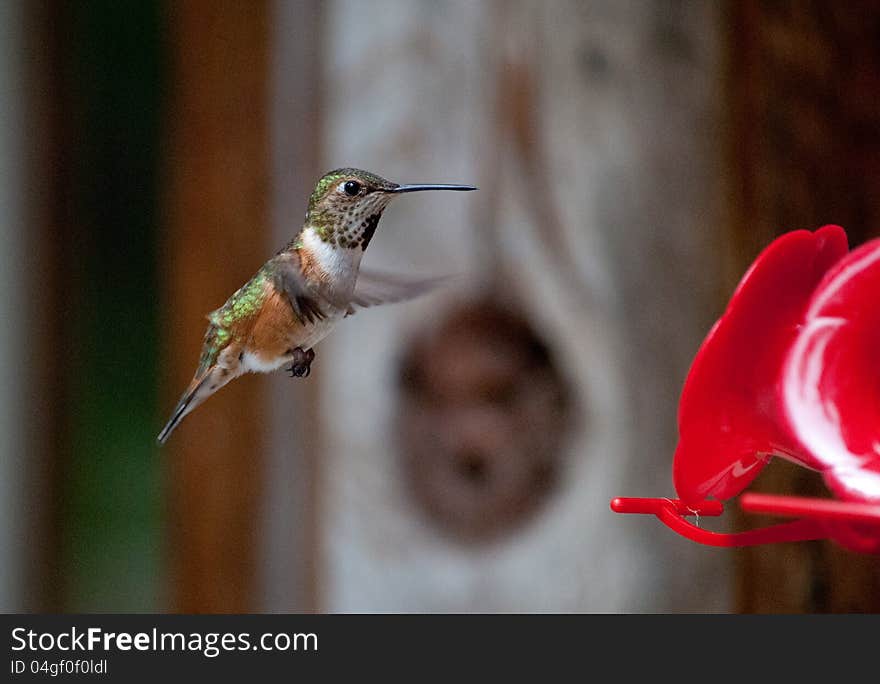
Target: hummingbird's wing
311,303
374,288
306,300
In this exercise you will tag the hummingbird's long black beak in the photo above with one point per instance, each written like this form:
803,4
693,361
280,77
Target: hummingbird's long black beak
433,186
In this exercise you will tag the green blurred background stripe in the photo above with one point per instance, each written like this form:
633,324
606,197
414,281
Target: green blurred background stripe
113,75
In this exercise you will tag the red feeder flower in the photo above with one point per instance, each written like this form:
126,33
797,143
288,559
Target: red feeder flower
786,371
831,379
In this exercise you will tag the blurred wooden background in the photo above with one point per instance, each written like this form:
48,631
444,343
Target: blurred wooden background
633,158
803,151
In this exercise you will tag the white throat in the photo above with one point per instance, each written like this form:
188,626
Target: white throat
340,263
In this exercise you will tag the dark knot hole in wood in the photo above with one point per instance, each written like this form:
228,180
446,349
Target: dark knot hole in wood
481,422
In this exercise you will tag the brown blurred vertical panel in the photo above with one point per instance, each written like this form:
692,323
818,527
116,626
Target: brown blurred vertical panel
217,237
47,213
804,144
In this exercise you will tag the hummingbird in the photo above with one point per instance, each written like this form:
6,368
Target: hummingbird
299,295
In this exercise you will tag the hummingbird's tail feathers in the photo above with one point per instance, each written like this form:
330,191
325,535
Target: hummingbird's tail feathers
203,385
183,407
374,288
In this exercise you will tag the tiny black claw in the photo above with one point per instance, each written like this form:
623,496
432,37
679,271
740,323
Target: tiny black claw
302,363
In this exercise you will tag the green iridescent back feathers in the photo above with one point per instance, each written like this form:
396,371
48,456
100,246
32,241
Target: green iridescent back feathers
246,302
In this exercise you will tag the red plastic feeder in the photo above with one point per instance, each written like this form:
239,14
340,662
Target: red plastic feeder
792,369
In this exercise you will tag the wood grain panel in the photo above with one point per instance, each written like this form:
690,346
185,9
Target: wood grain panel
589,128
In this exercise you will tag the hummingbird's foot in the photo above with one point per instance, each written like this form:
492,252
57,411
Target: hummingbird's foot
302,363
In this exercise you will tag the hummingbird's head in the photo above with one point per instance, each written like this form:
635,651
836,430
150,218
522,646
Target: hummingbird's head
346,205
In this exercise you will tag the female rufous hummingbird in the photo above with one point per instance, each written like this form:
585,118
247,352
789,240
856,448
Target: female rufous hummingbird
301,293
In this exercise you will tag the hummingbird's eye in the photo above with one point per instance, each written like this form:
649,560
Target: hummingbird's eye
351,188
